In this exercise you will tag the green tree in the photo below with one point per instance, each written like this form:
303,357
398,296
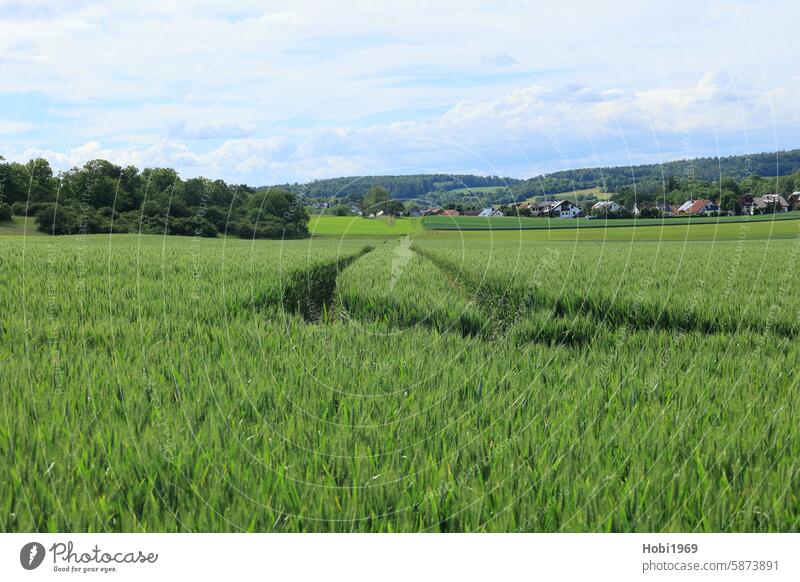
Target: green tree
393,207
729,202
274,213
41,184
340,210
375,200
13,182
196,191
95,184
729,183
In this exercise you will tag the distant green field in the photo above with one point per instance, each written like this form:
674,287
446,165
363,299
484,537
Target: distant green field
754,230
522,223
596,191
357,226
17,226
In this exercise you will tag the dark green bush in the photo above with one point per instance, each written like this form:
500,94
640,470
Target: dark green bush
215,216
191,226
57,219
271,227
32,209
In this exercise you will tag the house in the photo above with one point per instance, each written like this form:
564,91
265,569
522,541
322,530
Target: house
767,204
433,211
794,199
539,208
471,212
451,213
490,212
696,207
562,209
606,207
414,213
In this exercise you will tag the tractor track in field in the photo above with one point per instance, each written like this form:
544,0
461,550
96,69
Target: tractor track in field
512,310
509,303
310,292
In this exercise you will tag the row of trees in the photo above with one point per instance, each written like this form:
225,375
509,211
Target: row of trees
104,197
376,200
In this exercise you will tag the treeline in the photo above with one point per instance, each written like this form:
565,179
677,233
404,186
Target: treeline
103,197
400,187
649,177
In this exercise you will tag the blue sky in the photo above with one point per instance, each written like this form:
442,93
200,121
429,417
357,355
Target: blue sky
270,92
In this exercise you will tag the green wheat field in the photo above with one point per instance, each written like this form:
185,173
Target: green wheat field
438,382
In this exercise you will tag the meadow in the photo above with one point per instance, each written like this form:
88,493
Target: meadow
435,382
596,191
527,223
358,226
764,230
18,226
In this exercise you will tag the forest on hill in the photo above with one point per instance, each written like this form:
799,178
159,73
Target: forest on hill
399,187
645,181
651,179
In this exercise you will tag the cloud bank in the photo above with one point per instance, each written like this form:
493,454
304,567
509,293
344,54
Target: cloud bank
295,92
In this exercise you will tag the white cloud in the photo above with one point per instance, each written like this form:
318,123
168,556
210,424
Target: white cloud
290,91
12,127
187,131
552,127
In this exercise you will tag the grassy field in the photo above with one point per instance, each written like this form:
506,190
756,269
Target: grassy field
441,382
596,191
524,223
357,226
710,232
18,225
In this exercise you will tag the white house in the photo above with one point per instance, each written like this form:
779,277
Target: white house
606,207
490,212
563,209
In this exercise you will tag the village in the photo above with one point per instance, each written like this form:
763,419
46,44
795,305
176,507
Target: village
566,209
751,205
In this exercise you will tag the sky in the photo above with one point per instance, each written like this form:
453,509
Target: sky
269,92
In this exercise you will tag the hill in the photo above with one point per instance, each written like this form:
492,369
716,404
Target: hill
597,182
616,178
400,187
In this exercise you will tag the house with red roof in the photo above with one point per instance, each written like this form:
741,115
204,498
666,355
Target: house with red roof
695,207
